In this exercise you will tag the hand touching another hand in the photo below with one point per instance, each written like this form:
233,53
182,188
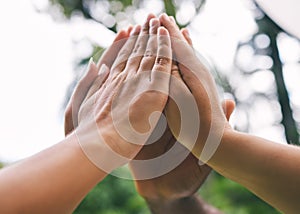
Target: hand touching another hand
155,181
113,121
169,189
84,85
212,120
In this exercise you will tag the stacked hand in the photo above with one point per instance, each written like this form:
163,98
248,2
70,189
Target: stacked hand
136,56
112,126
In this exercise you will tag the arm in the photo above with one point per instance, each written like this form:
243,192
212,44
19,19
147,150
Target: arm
55,180
268,169
52,181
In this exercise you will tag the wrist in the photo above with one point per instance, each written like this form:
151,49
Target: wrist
224,150
72,142
210,139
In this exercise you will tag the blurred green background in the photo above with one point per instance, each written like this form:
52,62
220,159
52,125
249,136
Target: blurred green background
115,195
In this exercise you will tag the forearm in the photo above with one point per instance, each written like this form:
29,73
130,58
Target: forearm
269,169
192,204
52,181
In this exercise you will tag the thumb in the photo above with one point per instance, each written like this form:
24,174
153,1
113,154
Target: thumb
228,107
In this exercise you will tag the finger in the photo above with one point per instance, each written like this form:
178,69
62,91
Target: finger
129,29
175,70
80,91
228,107
183,51
151,49
123,55
137,53
172,19
187,37
163,59
111,53
171,26
98,82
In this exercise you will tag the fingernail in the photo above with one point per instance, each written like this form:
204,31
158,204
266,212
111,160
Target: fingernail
89,64
103,69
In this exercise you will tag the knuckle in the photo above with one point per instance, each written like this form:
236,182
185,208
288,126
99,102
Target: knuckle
136,48
119,66
148,53
163,61
145,28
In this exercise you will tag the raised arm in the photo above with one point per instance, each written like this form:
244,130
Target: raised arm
268,169
56,179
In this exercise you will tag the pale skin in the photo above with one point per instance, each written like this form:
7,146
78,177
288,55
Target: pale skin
249,160
163,194
56,179
268,169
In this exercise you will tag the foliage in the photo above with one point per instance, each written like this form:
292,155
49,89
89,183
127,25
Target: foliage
112,13
118,196
113,196
231,197
268,31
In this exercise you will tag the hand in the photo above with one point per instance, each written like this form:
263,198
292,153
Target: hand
113,120
83,86
190,174
201,87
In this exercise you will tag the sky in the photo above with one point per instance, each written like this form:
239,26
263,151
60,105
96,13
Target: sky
37,61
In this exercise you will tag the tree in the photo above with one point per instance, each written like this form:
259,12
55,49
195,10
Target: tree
270,31
227,195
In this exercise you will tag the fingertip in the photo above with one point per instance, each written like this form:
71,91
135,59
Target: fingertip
172,19
231,105
185,32
186,35
136,30
228,106
146,25
154,22
163,31
129,29
164,17
150,16
121,35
